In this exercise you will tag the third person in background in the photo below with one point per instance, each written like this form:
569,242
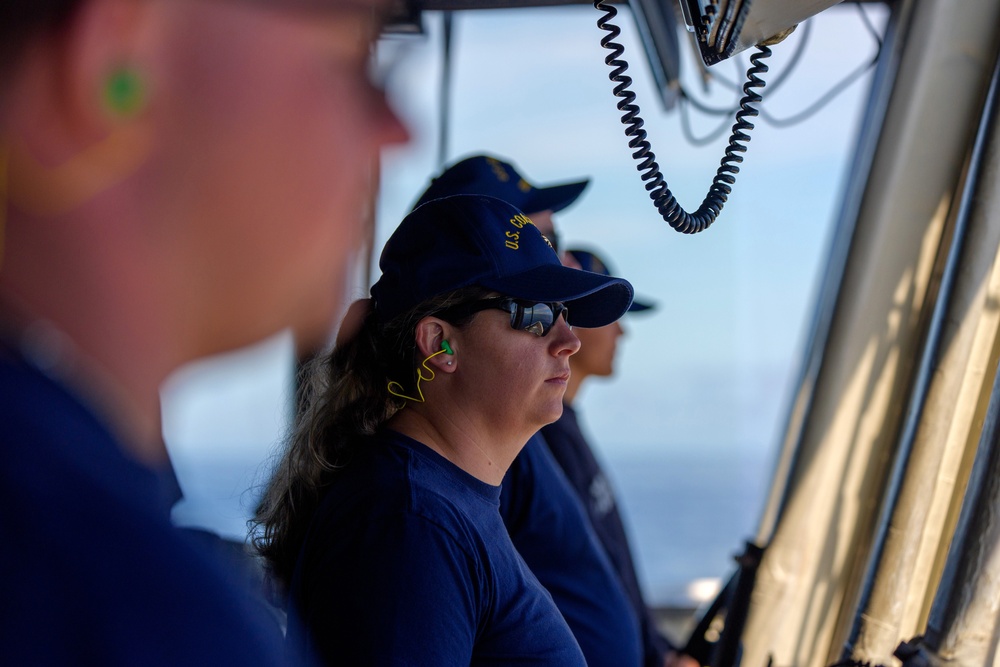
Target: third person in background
575,456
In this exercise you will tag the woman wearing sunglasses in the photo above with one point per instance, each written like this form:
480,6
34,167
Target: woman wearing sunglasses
382,518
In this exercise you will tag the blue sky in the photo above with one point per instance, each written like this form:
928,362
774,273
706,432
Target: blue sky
712,368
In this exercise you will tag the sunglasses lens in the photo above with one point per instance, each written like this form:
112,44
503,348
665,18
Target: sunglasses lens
539,318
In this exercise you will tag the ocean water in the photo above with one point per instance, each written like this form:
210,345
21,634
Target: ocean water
688,512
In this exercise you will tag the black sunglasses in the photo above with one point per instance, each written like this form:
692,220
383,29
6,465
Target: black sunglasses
537,317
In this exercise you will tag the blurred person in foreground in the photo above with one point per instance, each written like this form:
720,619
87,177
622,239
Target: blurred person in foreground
177,178
382,520
547,521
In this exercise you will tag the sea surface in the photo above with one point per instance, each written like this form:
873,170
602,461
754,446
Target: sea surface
688,512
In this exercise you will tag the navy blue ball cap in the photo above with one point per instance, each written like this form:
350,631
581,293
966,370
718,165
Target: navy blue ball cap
491,176
466,240
590,261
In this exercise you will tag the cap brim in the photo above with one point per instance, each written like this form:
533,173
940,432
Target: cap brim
639,306
554,198
594,300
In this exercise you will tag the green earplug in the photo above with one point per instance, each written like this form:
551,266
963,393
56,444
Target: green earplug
123,92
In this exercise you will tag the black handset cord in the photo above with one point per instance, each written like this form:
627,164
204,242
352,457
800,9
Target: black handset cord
663,199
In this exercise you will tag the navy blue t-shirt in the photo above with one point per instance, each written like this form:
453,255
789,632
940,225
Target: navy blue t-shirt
550,528
577,460
92,571
407,562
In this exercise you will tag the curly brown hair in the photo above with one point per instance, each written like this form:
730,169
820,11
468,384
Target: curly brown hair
344,399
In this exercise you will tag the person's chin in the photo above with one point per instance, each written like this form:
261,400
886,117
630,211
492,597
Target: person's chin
553,412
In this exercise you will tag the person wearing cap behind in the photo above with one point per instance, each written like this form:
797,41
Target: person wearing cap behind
382,517
576,458
494,177
546,520
177,179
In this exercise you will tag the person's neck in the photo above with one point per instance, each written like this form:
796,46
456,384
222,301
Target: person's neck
485,457
93,363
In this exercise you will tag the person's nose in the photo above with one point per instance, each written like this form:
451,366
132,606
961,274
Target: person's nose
564,340
389,128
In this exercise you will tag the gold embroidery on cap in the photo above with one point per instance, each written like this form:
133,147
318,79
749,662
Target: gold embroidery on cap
519,221
498,170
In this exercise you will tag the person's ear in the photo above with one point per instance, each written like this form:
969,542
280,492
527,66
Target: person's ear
84,88
106,64
92,74
434,345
